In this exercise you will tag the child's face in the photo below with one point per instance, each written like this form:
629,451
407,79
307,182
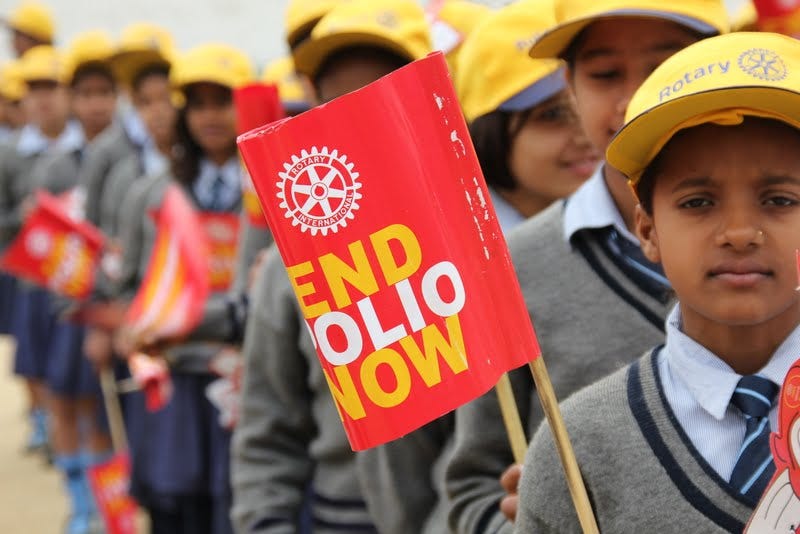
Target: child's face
153,101
47,104
211,117
550,156
613,58
94,100
725,223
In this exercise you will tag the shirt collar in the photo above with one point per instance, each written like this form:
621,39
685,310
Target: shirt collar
507,215
134,127
230,172
710,380
153,161
32,141
592,207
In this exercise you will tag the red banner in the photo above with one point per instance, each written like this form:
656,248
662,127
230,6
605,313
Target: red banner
222,233
110,482
779,16
54,250
170,299
381,214
257,104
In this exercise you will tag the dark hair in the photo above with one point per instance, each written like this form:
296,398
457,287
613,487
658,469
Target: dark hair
187,153
360,52
153,69
647,183
93,69
492,135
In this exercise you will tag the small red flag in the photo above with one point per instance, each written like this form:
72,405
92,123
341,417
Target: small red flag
110,483
385,224
54,249
779,16
170,299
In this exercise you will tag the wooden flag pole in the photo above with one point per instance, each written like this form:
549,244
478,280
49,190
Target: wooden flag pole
577,489
511,418
119,439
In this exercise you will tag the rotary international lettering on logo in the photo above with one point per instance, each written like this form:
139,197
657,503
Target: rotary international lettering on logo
319,190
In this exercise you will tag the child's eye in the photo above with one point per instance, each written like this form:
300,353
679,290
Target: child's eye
694,203
780,201
605,75
559,113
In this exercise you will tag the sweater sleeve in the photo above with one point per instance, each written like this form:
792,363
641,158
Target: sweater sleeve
12,193
271,466
482,453
397,478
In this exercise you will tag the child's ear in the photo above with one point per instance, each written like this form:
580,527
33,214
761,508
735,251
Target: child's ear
646,232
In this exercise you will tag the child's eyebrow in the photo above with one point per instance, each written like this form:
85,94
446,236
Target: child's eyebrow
700,181
780,179
667,46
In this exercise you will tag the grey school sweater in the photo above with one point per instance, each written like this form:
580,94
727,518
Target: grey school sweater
289,438
641,470
112,146
591,320
14,188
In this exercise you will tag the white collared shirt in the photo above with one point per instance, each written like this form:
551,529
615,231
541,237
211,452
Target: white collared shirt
231,175
507,215
32,141
592,206
698,387
134,127
153,161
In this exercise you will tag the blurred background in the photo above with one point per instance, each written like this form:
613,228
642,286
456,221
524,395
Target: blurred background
256,26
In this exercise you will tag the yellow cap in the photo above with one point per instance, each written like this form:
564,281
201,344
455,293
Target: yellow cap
302,15
398,26
12,87
494,70
213,63
719,80
89,48
33,19
43,63
708,17
142,45
452,24
745,19
282,74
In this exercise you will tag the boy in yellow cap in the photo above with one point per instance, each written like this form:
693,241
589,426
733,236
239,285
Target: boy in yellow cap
50,129
12,90
532,151
181,462
31,24
589,289
289,448
679,440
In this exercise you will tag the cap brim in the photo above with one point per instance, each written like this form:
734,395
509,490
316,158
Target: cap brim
126,65
310,56
647,133
555,42
537,93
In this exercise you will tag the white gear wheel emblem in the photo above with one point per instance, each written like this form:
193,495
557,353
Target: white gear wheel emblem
319,190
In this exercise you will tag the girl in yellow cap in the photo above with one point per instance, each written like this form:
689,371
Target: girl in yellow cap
78,440
181,457
50,129
590,291
679,441
532,152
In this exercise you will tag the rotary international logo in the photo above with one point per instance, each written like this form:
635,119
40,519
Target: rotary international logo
763,64
319,190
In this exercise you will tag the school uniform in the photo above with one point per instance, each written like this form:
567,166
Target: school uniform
289,448
180,461
660,455
595,303
32,321
124,137
403,481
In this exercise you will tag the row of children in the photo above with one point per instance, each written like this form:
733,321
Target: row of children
725,196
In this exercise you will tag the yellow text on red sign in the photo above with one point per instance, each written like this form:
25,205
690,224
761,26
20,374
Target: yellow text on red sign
384,262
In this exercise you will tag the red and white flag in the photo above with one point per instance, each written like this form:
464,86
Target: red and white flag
170,299
55,249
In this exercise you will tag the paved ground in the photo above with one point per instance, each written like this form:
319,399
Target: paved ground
31,498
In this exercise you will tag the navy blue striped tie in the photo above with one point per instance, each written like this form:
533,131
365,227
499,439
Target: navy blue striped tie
754,396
